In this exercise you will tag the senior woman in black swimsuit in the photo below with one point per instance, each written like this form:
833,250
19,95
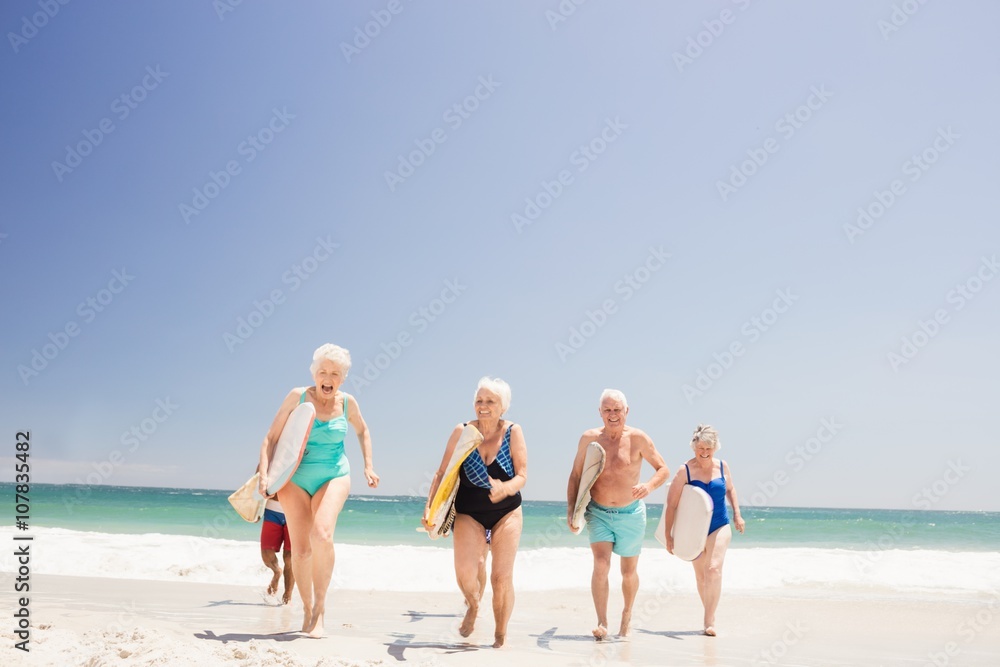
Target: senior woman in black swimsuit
488,506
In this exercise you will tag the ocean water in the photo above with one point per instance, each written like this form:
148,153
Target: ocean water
194,535
393,520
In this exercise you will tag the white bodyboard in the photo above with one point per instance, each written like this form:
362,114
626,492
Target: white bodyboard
593,466
691,522
290,447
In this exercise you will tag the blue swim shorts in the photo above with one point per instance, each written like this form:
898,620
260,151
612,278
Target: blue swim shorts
624,527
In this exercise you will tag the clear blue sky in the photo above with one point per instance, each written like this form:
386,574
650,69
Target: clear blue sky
833,100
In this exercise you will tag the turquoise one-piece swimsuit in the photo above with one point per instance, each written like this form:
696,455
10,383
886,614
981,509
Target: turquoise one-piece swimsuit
324,458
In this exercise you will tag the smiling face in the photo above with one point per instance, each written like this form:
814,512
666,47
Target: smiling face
328,376
703,450
487,405
613,412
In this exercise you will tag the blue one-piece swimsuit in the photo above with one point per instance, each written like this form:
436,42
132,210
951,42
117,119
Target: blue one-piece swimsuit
716,489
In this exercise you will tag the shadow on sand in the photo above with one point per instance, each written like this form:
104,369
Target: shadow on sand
404,642
550,635
673,634
247,636
420,615
234,603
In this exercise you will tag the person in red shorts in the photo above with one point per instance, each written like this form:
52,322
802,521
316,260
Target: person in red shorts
274,536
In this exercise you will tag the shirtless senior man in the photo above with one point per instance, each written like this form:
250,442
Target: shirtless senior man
616,515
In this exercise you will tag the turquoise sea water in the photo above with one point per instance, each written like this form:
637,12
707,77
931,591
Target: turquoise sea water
393,520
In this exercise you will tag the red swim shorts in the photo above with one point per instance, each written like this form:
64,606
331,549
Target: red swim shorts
273,533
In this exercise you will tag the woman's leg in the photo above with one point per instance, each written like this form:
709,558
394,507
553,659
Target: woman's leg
326,506
503,543
470,560
715,554
298,513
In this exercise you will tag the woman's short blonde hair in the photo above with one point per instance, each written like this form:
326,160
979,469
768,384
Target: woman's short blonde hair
495,386
331,352
708,435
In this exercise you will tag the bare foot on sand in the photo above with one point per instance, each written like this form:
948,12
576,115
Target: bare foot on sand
626,621
600,633
469,622
286,597
307,619
272,588
318,630
498,641
710,631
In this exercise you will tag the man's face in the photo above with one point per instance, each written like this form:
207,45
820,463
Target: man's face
613,413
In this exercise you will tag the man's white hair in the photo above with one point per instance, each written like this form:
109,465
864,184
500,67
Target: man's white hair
615,395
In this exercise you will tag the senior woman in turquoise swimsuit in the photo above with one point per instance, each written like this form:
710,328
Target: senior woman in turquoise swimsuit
712,476
316,493
488,506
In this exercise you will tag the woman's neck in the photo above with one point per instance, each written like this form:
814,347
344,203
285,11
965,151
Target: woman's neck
488,427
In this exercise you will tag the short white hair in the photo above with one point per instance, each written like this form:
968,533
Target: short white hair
498,387
708,435
615,395
330,352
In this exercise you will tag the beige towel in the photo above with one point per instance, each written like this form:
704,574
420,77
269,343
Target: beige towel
247,502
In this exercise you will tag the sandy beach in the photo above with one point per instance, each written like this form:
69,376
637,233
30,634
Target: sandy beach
96,621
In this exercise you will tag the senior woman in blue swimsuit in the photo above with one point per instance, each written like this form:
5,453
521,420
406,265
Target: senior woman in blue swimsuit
712,476
316,492
488,506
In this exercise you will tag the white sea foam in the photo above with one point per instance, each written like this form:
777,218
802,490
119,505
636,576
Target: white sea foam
408,568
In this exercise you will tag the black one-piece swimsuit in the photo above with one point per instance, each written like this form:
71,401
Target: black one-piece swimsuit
475,500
